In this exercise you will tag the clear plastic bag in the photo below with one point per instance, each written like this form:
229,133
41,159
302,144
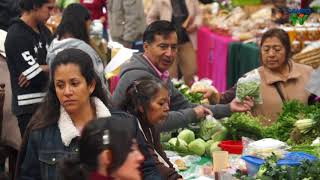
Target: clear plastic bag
208,127
266,147
202,85
249,85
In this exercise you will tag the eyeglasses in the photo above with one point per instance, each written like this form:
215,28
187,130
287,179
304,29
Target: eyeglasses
267,49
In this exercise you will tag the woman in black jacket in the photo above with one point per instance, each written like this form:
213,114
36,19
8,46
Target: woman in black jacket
148,100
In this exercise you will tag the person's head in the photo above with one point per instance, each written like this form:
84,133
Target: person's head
40,9
160,42
147,99
75,22
275,49
108,148
73,81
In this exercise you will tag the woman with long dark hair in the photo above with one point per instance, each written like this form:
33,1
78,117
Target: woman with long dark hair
75,96
107,150
73,32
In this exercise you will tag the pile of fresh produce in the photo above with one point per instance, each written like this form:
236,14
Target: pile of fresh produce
297,124
243,125
308,170
202,143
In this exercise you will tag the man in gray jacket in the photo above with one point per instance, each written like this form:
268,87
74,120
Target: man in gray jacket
160,46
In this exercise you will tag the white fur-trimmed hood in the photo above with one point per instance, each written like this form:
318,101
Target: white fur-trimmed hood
68,130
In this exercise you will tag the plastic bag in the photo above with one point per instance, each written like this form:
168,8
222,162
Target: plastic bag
266,147
208,127
249,85
200,85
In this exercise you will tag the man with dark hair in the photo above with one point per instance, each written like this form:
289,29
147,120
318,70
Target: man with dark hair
9,9
26,49
160,49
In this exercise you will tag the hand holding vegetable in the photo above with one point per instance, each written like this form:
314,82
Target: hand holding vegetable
210,93
245,105
201,111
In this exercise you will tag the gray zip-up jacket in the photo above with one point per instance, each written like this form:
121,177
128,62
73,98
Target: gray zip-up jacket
58,45
181,110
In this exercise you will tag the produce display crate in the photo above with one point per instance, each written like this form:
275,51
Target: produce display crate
311,58
245,2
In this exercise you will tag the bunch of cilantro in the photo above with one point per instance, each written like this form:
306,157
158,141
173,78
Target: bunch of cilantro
243,125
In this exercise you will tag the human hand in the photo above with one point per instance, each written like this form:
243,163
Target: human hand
245,105
102,19
210,93
23,81
45,68
191,28
202,111
180,179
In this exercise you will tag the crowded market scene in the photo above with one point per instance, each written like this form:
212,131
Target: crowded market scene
159,89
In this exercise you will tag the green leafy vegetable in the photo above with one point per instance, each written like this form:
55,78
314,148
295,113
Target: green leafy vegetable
243,124
251,89
186,135
197,147
208,127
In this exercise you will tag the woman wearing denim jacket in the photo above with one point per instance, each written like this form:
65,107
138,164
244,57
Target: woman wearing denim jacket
75,97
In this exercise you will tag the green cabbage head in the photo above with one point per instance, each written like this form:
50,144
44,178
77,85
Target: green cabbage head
186,135
197,147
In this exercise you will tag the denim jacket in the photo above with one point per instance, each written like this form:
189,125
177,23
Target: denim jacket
44,150
48,146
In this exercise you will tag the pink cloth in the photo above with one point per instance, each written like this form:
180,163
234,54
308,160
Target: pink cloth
212,57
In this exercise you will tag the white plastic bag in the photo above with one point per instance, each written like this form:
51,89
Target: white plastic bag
265,147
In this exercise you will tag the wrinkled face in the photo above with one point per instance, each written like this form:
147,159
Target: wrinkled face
71,88
159,107
130,169
273,54
43,13
162,51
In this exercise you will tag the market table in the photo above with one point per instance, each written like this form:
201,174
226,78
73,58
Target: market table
242,58
212,57
196,164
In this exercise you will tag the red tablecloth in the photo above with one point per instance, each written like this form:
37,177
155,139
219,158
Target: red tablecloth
212,57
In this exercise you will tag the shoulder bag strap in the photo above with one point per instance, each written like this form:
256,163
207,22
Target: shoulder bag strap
277,86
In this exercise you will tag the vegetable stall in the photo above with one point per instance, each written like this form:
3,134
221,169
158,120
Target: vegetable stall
288,149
